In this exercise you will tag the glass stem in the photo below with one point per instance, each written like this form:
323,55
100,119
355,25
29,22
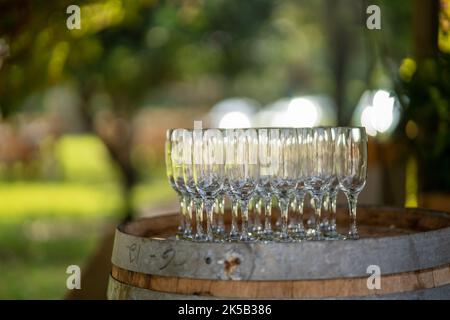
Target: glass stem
268,216
209,204
293,207
284,207
220,222
187,216
325,221
318,210
300,203
332,206
352,202
199,219
245,230
215,207
234,232
258,213
312,219
182,225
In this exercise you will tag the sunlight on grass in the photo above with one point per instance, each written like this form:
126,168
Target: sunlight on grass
84,158
24,199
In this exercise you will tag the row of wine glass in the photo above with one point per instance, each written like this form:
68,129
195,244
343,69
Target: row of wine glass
205,165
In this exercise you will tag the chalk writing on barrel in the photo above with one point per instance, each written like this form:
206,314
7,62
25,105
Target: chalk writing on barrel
134,251
167,257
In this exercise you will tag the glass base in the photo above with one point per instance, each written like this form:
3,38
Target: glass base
282,237
187,238
324,226
312,234
187,234
334,235
353,236
180,232
219,230
353,233
298,235
200,238
266,236
232,237
257,230
219,234
247,237
220,238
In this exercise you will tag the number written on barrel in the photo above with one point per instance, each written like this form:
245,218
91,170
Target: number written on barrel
134,251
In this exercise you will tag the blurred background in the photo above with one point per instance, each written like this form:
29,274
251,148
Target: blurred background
83,112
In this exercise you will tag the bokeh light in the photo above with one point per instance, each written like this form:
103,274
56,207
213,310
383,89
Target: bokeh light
234,119
233,112
300,112
378,112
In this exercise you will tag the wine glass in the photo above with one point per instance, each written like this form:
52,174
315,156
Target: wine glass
229,143
170,177
242,171
220,210
258,207
351,169
177,160
286,174
300,190
324,222
266,156
209,171
332,193
319,166
189,182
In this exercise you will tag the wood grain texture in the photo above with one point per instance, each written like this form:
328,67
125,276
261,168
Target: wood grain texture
296,289
121,291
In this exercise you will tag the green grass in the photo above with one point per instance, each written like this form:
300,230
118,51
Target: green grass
84,158
46,226
34,255
29,199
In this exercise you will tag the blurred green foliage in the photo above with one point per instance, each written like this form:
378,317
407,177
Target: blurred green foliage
128,49
424,86
134,53
426,119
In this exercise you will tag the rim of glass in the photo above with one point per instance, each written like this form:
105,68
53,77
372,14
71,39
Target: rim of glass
279,128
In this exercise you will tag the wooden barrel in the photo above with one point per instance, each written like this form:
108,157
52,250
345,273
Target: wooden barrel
409,247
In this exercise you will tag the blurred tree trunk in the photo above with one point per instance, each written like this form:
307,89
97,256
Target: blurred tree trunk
119,148
424,110
338,39
425,28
